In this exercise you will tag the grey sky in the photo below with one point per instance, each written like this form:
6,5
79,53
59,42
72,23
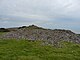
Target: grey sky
53,14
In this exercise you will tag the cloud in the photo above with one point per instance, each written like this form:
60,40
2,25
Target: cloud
49,8
56,13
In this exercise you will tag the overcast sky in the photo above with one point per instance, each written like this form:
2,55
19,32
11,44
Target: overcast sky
53,14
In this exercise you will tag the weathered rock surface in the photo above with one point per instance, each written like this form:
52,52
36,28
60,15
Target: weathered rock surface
37,33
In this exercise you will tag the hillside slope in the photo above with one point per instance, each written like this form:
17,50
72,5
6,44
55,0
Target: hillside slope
37,33
28,50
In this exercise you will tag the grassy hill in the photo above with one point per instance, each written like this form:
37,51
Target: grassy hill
35,50
36,43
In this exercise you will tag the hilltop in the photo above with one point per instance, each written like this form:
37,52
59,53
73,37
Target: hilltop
33,33
37,43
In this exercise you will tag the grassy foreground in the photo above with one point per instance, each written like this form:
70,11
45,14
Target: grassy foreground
28,50
2,33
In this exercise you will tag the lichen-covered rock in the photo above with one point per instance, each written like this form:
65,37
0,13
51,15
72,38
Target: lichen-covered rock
38,33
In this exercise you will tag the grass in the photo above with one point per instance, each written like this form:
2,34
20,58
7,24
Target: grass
3,33
28,50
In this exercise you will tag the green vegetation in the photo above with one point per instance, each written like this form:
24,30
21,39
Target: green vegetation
2,33
36,50
4,30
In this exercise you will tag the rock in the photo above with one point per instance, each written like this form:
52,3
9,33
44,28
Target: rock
37,33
